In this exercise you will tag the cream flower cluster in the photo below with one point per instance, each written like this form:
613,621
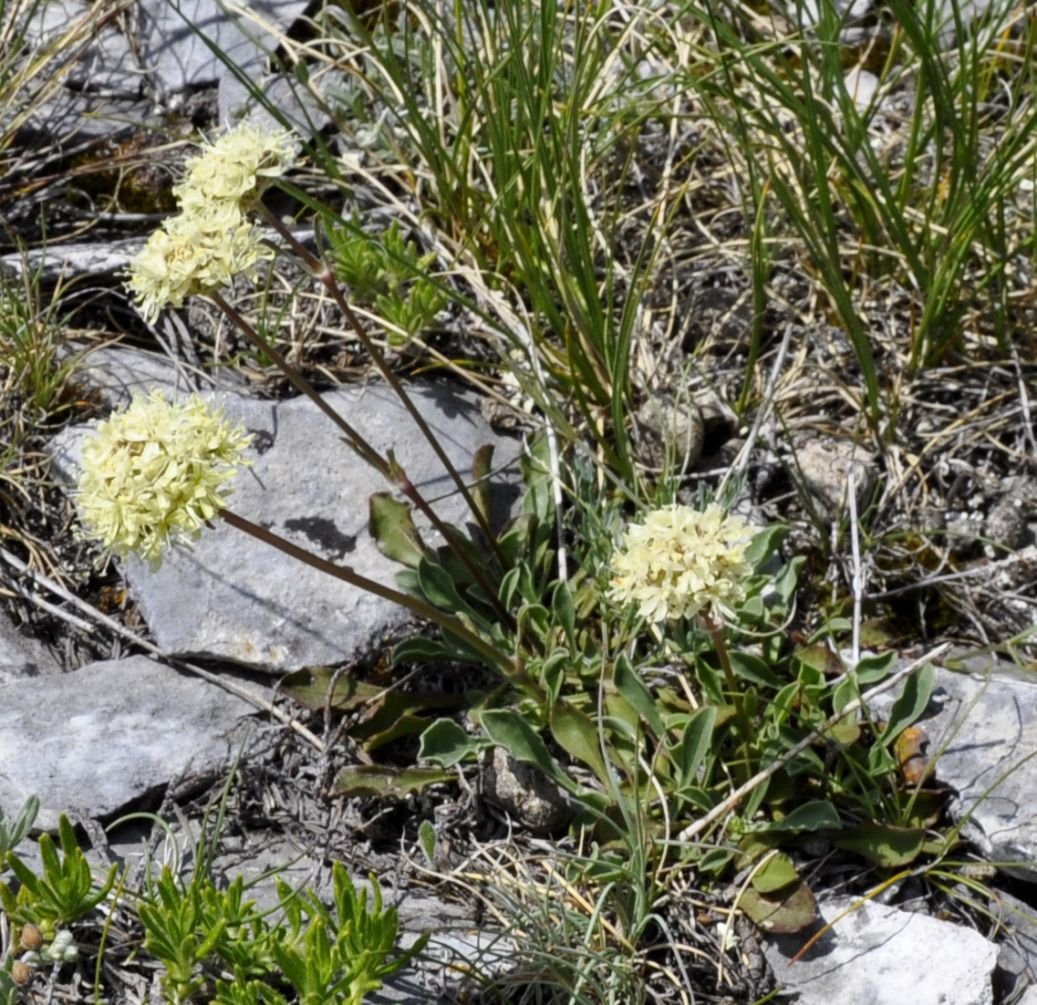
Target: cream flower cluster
211,240
235,168
194,253
154,473
681,561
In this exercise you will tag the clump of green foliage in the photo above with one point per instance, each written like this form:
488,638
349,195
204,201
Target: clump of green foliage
304,951
315,954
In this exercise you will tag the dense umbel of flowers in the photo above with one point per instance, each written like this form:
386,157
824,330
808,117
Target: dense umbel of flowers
194,253
154,473
681,561
211,240
235,168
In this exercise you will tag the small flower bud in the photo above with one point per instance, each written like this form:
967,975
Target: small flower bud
63,949
62,941
21,973
31,937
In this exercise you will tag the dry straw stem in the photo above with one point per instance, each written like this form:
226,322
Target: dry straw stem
533,897
161,655
693,830
46,66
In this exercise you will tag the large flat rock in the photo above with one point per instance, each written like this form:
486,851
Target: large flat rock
97,740
234,598
879,955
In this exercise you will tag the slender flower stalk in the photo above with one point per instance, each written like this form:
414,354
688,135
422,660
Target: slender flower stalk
716,632
324,274
388,468
508,667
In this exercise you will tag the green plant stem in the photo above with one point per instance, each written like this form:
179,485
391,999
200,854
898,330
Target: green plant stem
355,440
508,667
716,633
322,271
389,468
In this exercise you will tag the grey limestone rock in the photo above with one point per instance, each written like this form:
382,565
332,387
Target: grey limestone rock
92,85
102,56
307,112
118,374
22,657
879,955
983,734
1017,954
179,40
982,744
234,598
93,741
670,430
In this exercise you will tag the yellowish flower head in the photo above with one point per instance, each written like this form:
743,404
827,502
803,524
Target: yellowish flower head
153,474
681,561
191,253
236,168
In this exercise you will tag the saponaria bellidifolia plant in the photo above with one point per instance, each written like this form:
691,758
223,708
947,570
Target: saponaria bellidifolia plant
678,580
156,473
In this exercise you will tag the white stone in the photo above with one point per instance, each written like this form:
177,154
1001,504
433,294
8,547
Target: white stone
878,955
861,85
96,740
824,466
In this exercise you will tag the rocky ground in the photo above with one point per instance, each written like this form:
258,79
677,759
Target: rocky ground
126,692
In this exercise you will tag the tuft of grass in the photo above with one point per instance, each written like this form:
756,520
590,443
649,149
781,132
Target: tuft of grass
925,187
35,374
517,128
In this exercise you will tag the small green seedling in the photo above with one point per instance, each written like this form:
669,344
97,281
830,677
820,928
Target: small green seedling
339,955
326,956
12,832
388,272
178,933
65,890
